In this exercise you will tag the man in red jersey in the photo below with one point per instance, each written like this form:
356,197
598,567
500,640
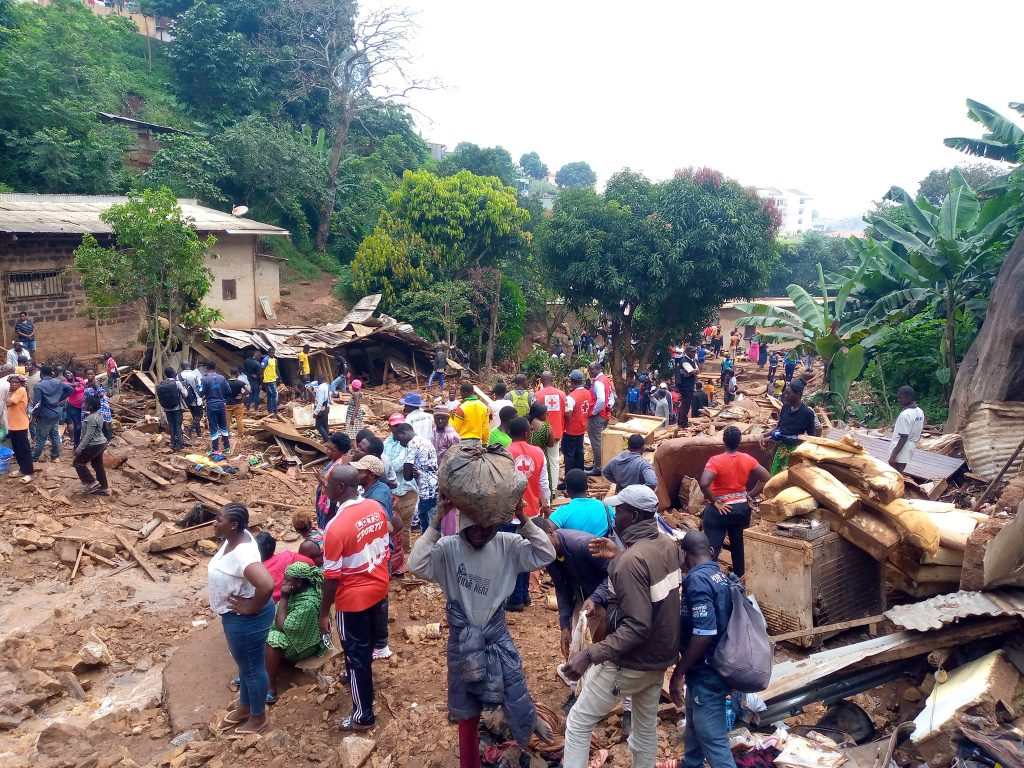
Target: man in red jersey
578,404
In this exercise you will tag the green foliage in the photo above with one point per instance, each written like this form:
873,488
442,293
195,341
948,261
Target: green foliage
482,161
532,166
511,318
539,360
56,160
935,186
577,174
1003,140
189,166
798,257
443,312
157,259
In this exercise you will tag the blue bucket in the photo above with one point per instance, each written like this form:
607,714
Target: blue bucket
6,454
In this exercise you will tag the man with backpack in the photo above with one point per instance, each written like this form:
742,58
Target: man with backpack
705,611
193,381
170,393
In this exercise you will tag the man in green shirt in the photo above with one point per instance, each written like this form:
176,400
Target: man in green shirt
500,433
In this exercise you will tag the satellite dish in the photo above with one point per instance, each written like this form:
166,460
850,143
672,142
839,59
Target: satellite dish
240,210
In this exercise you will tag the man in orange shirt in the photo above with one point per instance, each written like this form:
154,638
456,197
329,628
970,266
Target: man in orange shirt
356,581
529,459
554,399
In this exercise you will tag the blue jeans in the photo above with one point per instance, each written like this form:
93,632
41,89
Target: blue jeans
217,415
271,389
425,512
439,375
73,416
521,593
46,429
247,641
340,383
706,730
254,398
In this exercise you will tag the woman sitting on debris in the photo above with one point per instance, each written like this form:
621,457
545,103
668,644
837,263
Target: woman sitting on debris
338,446
240,589
312,545
725,482
296,631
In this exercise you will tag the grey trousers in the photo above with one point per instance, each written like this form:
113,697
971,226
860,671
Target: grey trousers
596,425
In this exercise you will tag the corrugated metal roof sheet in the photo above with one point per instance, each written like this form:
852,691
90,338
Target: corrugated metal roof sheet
80,214
936,612
992,433
925,465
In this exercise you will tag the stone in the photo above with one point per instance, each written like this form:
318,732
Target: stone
912,694
354,750
72,686
26,536
94,652
208,546
6,550
67,553
47,525
58,737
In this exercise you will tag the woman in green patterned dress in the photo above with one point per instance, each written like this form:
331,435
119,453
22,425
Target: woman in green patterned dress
296,631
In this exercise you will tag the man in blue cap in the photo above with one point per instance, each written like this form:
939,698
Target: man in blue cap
421,422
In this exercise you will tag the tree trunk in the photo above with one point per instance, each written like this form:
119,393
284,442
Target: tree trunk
557,318
323,230
495,308
950,334
619,329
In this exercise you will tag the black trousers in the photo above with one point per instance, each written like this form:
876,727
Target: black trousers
197,419
380,627
683,414
321,423
572,450
174,420
357,632
91,455
22,448
717,526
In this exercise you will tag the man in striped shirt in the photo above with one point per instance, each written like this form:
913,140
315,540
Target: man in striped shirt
356,582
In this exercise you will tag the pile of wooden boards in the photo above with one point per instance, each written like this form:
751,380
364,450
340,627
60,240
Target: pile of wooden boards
862,498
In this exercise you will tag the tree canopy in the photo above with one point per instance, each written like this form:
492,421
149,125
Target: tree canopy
577,174
482,161
532,165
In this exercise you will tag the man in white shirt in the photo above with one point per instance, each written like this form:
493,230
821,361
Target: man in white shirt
321,406
422,423
907,430
500,400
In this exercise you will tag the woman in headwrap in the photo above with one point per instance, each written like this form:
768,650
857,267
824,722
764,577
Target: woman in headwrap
795,419
312,545
296,631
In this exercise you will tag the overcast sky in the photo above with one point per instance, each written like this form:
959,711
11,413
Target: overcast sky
841,100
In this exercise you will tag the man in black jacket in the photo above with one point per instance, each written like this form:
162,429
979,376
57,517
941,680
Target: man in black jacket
643,632
48,405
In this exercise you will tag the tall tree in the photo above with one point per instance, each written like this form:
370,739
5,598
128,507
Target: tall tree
483,161
532,165
189,166
935,186
1003,140
577,174
158,259
798,257
353,63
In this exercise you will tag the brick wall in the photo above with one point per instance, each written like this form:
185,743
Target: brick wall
62,321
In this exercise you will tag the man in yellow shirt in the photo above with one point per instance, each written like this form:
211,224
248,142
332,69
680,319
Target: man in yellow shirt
471,419
304,374
269,364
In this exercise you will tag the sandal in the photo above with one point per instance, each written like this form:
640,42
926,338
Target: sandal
271,698
229,722
243,731
351,724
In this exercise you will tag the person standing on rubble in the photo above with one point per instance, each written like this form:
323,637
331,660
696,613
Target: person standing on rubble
704,615
16,404
907,431
597,422
522,396
305,371
796,418
254,374
725,482
630,467
356,583
269,379
686,382
420,421
643,632
440,363
216,389
470,418
477,570
193,382
321,407
338,446
341,381
355,414
90,450
238,391
578,404
555,400
419,465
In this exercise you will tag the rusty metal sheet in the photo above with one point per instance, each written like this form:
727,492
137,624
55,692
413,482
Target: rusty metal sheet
925,465
936,612
992,433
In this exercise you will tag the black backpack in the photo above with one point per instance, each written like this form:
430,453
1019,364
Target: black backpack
168,395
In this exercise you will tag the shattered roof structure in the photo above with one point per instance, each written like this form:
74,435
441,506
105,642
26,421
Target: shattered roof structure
938,611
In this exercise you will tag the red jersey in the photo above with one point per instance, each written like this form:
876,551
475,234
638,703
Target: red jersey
529,459
356,554
554,399
609,395
584,401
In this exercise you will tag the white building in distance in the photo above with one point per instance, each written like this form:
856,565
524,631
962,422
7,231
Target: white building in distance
794,206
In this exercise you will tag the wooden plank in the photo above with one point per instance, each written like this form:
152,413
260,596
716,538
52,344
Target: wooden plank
99,558
131,551
280,476
78,561
282,429
924,466
838,627
145,381
207,496
151,476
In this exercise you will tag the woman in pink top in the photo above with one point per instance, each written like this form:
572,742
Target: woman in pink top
73,405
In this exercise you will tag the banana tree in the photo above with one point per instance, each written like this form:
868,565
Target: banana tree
945,258
1004,140
825,328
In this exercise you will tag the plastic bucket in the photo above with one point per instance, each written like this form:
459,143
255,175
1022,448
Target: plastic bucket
6,454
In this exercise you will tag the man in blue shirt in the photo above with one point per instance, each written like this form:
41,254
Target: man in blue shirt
216,390
581,513
703,617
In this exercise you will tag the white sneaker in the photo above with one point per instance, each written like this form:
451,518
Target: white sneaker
26,479
382,653
14,473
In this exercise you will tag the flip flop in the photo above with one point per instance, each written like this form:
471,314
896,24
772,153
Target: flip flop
271,698
350,724
228,723
240,733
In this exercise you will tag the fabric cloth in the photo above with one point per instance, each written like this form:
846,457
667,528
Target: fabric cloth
480,579
551,464
704,612
356,554
717,526
555,400
643,615
421,422
580,402
277,564
529,460
485,671
583,514
605,685
707,731
596,425
406,506
247,642
236,417
577,575
732,475
356,630
443,440
910,422
420,453
226,573
629,468
499,437
780,459
797,421
471,419
300,637
604,397
540,437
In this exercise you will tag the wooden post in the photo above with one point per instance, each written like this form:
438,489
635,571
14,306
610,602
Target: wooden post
415,373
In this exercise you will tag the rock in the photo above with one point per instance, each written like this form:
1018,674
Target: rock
94,652
275,741
67,553
58,737
26,536
354,750
103,549
208,546
185,737
47,525
72,686
912,694
144,664
34,680
6,550
10,722
993,367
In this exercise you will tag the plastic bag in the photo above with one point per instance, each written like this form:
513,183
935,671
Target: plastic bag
483,482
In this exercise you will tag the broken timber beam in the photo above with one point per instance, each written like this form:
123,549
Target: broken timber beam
151,476
195,533
838,627
132,551
207,496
